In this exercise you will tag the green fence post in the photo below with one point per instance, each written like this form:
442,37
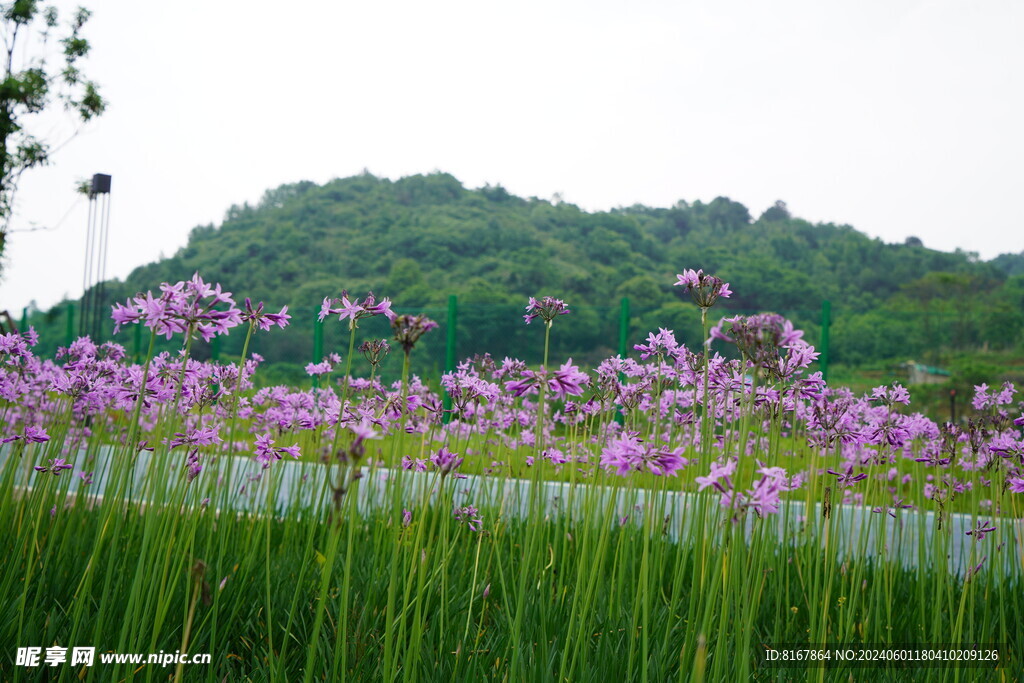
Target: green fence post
623,343
318,347
826,321
449,351
69,335
137,343
624,327
24,320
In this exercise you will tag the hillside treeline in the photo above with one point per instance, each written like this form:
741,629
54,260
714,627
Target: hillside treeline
419,239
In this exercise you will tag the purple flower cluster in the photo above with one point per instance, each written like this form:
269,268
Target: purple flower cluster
627,453
470,516
264,321
267,452
705,289
355,310
568,380
189,306
651,415
375,350
759,337
55,466
31,434
547,309
409,328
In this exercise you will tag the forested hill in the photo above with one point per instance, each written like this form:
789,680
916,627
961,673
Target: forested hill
421,238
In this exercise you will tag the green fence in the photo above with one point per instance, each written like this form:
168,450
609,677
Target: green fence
588,335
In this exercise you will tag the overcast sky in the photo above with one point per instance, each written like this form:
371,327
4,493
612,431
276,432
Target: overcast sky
899,118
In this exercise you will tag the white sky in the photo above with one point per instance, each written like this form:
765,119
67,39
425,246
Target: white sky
897,117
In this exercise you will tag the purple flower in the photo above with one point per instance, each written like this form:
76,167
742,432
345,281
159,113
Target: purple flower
758,337
763,499
718,471
705,289
55,466
624,454
890,396
1016,484
627,453
186,305
130,313
799,357
847,477
317,369
661,344
203,436
30,435
263,320
983,528
509,368
375,351
974,570
933,459
31,337
446,461
355,310
890,510
193,465
568,380
363,430
1005,396
470,516
665,462
409,328
418,464
406,518
892,433
13,345
1005,446
267,453
981,399
547,308
527,381
464,386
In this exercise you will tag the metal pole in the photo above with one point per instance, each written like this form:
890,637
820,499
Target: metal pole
826,322
70,334
102,264
449,352
87,282
137,356
624,327
623,345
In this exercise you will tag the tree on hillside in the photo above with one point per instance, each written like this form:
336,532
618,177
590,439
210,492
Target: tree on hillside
32,86
776,212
